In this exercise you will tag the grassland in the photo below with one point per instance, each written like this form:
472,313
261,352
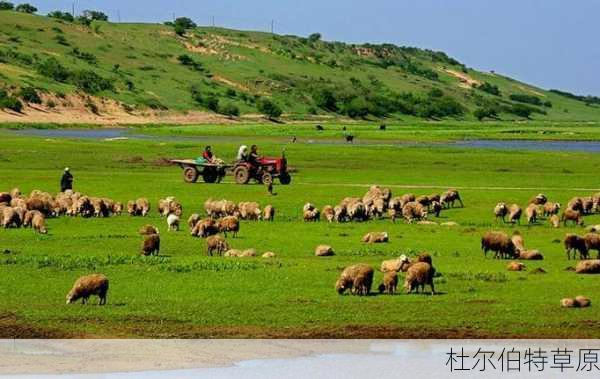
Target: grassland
183,293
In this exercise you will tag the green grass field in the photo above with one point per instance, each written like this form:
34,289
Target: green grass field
184,293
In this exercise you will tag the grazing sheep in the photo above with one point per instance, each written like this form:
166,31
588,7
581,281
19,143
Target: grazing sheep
268,213
216,244
575,204
414,211
86,286
329,213
117,208
28,218
249,211
392,264
205,228
357,278
500,211
15,192
173,222
551,209
582,301
324,251
539,199
436,208
147,230
572,215
418,275
587,205
449,197
390,283
38,223
592,242
164,206
340,213
100,209
229,224
555,221
151,245
193,220
375,237
312,215
10,218
132,208
591,266
269,254
499,243
575,244
142,206
531,213
356,211
514,214
515,266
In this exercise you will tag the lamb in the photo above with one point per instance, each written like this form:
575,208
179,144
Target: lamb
499,243
38,223
514,214
414,211
147,230
324,251
205,228
418,275
555,221
515,266
551,209
329,213
500,211
572,215
531,212
268,213
173,222
86,286
216,244
375,237
576,244
449,197
193,220
357,278
539,199
390,283
229,224
592,242
142,206
591,266
151,245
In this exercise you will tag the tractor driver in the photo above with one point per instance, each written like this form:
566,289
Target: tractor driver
253,157
208,155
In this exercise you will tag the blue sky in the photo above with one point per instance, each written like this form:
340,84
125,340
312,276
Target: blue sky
550,43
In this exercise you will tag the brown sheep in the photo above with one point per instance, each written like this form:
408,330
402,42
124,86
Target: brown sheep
148,230
423,200
517,240
500,211
514,214
151,245
393,264
418,275
5,198
551,209
268,213
414,211
324,251
357,278
515,266
216,244
38,222
436,208
531,213
205,228
357,211
250,211
390,283
193,220
539,199
592,242
575,244
86,286
142,206
229,224
591,266
555,221
340,213
582,301
406,198
375,237
329,213
572,215
100,208
575,204
132,208
568,303
10,218
499,243
530,255
449,197
117,208
311,215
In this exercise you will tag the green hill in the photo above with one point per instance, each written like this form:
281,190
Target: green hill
129,68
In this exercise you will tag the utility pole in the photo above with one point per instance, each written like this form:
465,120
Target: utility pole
73,9
119,15
213,21
272,26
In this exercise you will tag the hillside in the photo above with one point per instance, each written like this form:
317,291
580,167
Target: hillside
69,72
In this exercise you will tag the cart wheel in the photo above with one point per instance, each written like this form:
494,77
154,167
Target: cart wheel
242,175
190,175
266,179
285,178
209,175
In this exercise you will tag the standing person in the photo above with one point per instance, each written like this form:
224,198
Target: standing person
66,182
207,154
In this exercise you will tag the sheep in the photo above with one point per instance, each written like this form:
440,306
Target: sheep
518,242
329,213
151,245
406,263
164,206
340,213
414,211
575,204
83,206
248,253
374,237
86,286
117,208
10,218
15,192
436,208
268,213
21,214
587,205
38,223
269,254
539,199
555,221
531,213
229,224
551,209
449,197
572,215
591,266
311,215
205,228
592,242
40,202
142,206
132,208
390,283
173,222
530,255
28,218
582,301
357,211
232,253
568,303
147,230
216,244
324,251
193,220
249,211
357,278
515,266
576,244
5,198
499,243
514,214
100,208
500,211
418,275
392,264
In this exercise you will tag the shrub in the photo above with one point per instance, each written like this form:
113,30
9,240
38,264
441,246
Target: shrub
61,40
153,103
230,110
527,99
485,112
314,37
30,95
87,57
492,89
439,107
9,102
65,16
90,82
51,68
521,110
95,15
51,104
179,30
83,20
188,61
184,22
269,108
357,107
6,6
325,98
26,8
230,92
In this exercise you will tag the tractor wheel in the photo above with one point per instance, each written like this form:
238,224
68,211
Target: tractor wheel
241,174
266,179
285,178
190,175
209,175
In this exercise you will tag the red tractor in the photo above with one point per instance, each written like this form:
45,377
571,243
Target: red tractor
264,171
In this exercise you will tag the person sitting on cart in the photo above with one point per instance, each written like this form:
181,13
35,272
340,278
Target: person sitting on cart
242,155
208,155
